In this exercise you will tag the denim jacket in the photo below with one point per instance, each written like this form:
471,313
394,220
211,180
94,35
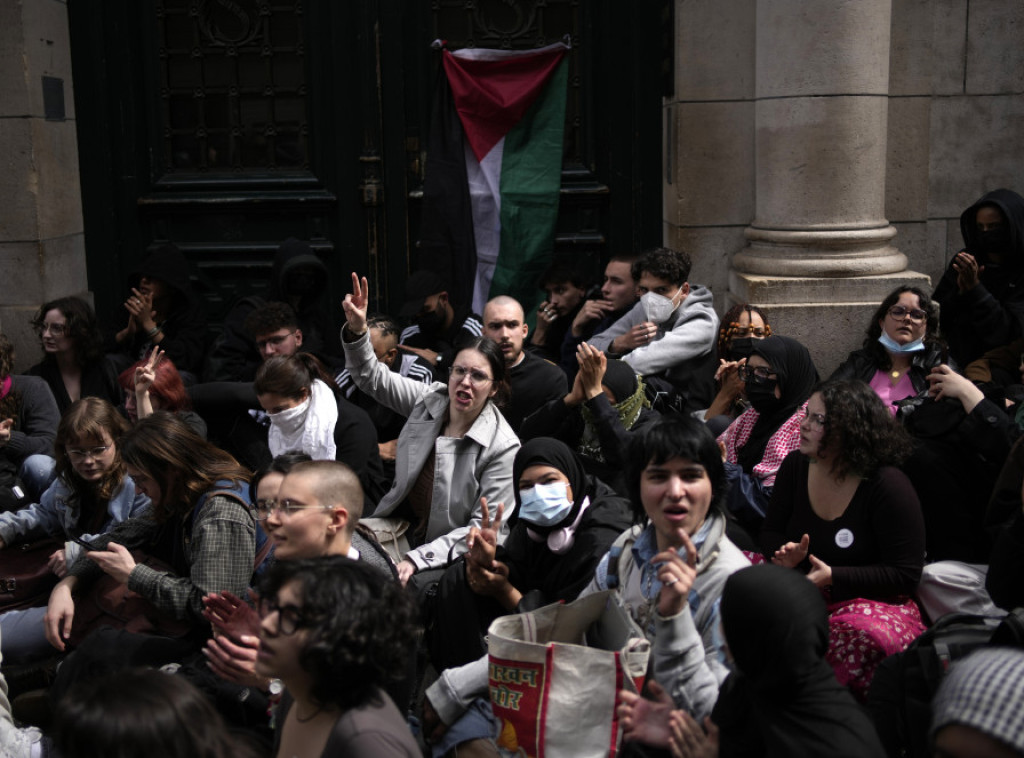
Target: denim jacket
57,514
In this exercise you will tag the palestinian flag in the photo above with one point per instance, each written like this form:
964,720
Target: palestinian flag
494,164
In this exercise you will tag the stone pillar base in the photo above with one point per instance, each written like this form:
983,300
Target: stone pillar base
829,316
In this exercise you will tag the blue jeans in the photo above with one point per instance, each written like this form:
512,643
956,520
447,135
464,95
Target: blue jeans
37,472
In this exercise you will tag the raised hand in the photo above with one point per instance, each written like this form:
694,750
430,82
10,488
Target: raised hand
640,335
140,306
355,304
482,541
676,576
593,365
592,310
231,616
792,554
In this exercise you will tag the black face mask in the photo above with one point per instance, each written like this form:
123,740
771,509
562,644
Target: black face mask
994,240
741,347
762,395
430,322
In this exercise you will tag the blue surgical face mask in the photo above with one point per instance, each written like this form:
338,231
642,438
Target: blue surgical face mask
895,347
545,504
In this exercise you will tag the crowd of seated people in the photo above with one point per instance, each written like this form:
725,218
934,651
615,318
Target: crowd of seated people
310,530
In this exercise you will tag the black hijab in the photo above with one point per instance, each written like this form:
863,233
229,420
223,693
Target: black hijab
797,378
545,451
783,699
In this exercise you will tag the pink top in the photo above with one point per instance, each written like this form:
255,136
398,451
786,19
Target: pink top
890,393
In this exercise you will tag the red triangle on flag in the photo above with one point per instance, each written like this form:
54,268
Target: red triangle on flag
492,93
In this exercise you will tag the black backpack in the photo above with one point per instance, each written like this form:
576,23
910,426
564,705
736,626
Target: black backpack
904,684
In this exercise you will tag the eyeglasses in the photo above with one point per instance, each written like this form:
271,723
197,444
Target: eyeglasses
476,377
289,617
815,420
757,374
288,507
274,341
56,330
916,314
89,452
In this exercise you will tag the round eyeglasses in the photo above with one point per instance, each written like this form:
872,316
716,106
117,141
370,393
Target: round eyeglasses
915,314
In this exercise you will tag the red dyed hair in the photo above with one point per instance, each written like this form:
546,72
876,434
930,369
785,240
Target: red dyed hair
168,390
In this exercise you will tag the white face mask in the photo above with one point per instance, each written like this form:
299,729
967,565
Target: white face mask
291,420
658,307
545,504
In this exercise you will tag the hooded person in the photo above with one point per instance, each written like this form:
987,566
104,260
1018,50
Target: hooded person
779,376
298,278
597,425
982,291
161,309
563,522
782,698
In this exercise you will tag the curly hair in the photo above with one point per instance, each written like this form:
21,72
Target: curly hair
10,404
674,437
81,328
859,432
168,390
147,712
6,356
671,265
270,318
362,626
931,332
185,466
731,324
87,419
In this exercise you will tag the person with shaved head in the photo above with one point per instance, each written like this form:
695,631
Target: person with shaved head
534,381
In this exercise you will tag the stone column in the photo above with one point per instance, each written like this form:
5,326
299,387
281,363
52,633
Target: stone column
42,244
820,252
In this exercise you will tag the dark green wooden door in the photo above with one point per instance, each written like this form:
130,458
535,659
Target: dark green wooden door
225,126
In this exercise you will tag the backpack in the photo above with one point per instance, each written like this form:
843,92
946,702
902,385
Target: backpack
901,692
240,494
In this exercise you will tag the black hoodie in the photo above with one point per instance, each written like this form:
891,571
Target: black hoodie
234,357
184,327
991,314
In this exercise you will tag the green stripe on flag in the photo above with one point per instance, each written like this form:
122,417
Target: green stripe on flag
531,176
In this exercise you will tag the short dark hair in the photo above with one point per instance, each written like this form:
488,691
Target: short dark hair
282,464
335,483
489,349
874,330
560,273
671,265
270,318
387,325
860,429
362,626
676,436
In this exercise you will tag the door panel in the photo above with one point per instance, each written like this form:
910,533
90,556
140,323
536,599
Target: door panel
226,126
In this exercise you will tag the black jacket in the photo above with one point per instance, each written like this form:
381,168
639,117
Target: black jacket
992,313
